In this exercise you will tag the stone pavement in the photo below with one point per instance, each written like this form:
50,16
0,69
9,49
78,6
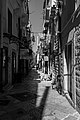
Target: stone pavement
34,99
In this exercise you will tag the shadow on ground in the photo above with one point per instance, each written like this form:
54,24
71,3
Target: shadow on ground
28,96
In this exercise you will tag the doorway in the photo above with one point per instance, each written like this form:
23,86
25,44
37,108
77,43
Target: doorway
13,67
5,66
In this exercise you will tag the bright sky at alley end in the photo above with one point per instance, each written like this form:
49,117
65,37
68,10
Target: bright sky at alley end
36,14
35,9
36,17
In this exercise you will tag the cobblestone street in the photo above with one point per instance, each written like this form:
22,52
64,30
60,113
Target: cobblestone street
34,99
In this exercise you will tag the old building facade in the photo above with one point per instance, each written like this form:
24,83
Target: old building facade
14,18
64,26
70,46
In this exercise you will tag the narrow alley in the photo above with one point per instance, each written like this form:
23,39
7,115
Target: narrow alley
39,59
34,99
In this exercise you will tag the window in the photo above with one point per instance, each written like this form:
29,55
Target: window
9,22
